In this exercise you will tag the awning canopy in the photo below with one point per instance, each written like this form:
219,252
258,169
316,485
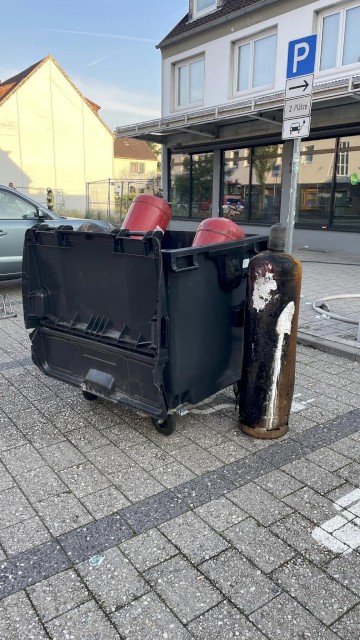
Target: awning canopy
206,123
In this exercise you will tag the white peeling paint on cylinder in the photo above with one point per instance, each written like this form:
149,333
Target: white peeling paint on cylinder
283,326
263,288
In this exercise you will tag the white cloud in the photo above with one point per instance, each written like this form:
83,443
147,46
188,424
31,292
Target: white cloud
120,106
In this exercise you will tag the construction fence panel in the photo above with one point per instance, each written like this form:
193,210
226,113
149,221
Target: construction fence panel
109,200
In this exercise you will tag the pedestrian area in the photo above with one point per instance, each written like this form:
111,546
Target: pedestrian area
110,530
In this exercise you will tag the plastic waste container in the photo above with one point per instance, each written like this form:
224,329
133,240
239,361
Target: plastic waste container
155,325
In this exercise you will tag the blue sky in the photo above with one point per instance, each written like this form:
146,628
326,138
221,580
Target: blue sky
106,48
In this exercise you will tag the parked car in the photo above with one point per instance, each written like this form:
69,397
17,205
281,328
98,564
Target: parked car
18,213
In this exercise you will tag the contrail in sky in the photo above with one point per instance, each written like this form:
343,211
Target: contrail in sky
103,35
94,62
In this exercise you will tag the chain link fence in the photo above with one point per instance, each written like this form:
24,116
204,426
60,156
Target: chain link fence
109,200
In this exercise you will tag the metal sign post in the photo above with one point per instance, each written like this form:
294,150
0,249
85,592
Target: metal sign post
297,113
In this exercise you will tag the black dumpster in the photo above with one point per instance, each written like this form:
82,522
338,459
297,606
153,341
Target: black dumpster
148,322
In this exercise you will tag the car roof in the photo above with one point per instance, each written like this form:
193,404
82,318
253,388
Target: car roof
54,215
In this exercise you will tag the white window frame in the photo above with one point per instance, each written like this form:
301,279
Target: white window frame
203,12
186,63
251,41
341,37
342,160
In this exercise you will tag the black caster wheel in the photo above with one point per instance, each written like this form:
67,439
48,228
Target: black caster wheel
236,390
89,396
165,427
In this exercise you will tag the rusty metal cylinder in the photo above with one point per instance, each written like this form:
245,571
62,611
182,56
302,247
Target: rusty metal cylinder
271,319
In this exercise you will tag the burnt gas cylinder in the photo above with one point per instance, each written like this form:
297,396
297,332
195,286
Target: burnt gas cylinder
271,319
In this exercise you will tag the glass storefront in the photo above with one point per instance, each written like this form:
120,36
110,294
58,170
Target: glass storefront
191,185
252,184
328,185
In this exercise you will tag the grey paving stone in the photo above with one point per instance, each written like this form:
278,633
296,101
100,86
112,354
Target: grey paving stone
350,473
62,513
68,420
153,511
296,531
148,455
259,503
115,582
246,469
224,622
280,454
95,538
221,513
313,476
124,436
205,488
259,545
311,505
278,483
346,569
86,621
328,459
229,451
203,434
18,620
103,502
23,535
149,619
6,480
348,628
194,537
135,483
183,588
328,433
62,456
172,473
87,438
325,598
148,549
347,447
42,435
14,507
58,594
41,484
237,579
23,459
83,479
109,459
285,619
30,567
197,459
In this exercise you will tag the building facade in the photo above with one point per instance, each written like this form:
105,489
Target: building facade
51,135
223,82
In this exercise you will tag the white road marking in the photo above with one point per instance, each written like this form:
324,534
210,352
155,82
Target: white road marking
341,533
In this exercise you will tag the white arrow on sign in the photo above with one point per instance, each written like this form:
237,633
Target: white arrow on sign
301,86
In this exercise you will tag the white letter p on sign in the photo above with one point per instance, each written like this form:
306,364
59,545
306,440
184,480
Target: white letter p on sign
301,51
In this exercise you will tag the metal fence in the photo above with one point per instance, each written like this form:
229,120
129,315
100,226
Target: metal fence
110,199
39,194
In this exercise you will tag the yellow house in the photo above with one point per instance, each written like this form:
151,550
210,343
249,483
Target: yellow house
51,136
134,160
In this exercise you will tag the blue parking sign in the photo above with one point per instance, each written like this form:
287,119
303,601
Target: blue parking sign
301,57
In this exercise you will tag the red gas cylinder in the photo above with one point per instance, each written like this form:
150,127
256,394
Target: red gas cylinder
146,213
214,230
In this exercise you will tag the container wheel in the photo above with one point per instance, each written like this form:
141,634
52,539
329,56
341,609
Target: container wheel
166,427
89,396
236,390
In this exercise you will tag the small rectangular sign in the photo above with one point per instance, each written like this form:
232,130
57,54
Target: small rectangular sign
296,128
301,56
297,107
296,87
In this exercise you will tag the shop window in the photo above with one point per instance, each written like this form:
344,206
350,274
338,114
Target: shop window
251,185
254,63
191,185
315,184
189,82
307,155
340,37
346,208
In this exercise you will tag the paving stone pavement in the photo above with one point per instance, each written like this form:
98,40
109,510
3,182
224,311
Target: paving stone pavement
110,530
